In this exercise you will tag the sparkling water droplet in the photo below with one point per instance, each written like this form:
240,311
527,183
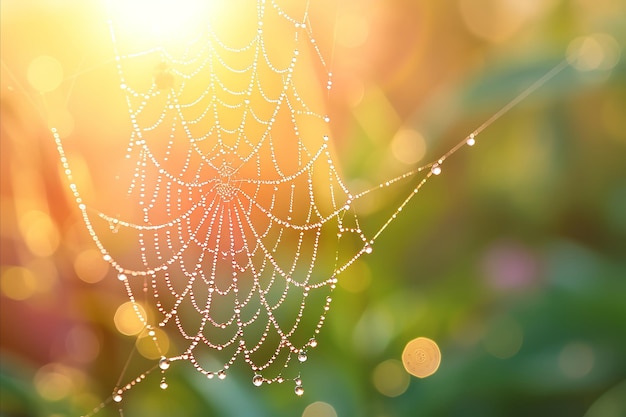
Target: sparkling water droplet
221,374
117,398
298,381
435,169
368,249
299,391
164,363
312,342
302,357
163,385
122,277
257,380
471,141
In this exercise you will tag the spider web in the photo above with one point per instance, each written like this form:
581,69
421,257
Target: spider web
235,222
235,215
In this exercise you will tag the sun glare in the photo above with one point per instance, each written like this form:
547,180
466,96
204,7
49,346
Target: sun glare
162,19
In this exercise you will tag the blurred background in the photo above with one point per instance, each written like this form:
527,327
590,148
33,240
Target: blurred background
513,260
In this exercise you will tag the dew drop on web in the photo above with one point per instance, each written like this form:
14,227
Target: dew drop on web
164,363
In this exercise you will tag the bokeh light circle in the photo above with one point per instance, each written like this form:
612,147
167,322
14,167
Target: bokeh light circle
45,73
130,318
319,409
390,378
421,357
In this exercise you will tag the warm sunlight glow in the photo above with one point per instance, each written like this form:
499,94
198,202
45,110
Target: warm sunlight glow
163,19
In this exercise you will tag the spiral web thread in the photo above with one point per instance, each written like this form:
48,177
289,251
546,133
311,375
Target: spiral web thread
237,222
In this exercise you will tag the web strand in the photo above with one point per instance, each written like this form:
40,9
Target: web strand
435,166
